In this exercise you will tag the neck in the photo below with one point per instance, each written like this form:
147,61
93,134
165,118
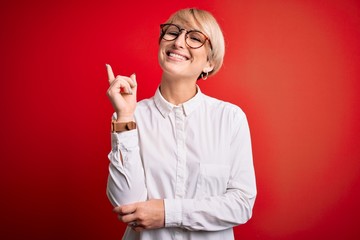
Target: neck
177,91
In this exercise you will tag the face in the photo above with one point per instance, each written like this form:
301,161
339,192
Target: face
178,60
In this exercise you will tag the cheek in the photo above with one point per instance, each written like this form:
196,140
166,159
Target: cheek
202,58
200,54
162,48
161,51
161,56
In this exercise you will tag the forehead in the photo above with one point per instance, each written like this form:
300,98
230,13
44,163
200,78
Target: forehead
187,22
187,26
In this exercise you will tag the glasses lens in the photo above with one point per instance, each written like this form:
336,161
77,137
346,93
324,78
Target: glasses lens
171,32
195,39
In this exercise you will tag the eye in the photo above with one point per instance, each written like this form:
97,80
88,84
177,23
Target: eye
173,33
196,37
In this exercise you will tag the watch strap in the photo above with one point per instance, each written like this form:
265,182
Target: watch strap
122,126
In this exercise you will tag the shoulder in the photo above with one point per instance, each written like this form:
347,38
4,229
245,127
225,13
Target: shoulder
223,108
145,106
228,117
145,102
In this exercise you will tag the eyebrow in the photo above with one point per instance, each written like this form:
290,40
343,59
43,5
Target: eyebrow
186,28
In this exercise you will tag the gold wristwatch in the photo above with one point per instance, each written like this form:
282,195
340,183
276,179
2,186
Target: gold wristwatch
122,126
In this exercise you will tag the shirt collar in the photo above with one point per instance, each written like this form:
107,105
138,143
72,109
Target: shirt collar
188,107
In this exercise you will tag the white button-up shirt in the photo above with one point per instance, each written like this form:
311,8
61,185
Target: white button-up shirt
196,156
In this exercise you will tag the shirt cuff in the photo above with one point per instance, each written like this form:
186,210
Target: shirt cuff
173,212
124,143
124,140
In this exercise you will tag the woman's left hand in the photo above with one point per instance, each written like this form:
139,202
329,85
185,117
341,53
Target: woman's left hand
143,215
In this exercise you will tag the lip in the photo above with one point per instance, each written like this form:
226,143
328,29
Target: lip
177,55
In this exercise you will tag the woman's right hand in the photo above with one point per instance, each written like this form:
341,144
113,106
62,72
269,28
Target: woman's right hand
122,95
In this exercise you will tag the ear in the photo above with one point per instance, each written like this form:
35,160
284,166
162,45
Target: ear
209,67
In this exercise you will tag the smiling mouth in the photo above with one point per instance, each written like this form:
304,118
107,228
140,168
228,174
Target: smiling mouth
177,56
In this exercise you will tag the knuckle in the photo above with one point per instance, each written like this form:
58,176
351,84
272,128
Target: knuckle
141,216
119,78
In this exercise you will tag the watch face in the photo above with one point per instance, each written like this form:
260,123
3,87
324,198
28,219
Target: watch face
130,125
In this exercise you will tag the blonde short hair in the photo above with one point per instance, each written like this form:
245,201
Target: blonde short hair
206,23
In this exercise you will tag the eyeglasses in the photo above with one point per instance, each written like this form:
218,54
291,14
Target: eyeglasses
193,38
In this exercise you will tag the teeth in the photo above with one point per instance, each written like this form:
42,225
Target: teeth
177,56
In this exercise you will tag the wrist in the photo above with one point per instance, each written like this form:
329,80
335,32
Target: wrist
124,119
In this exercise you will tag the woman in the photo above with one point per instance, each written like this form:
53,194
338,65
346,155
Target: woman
181,162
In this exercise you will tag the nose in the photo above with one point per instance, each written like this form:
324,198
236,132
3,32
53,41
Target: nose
180,40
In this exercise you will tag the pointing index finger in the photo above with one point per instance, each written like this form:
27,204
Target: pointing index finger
110,73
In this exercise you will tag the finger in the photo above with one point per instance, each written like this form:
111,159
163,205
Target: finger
117,210
125,209
127,218
119,85
123,85
110,73
133,82
130,80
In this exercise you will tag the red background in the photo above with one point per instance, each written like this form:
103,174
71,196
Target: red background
293,66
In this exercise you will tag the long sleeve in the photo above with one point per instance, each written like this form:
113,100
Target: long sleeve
196,156
126,181
221,211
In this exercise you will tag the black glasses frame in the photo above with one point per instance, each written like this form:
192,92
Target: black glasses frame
163,31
